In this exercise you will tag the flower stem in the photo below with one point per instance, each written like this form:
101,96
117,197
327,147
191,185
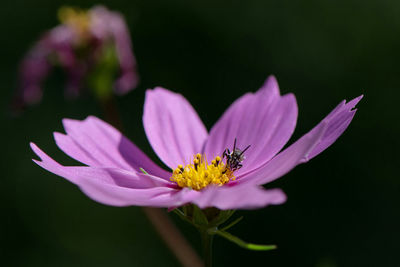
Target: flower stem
207,240
160,221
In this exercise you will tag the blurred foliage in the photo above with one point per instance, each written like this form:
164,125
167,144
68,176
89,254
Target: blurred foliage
343,206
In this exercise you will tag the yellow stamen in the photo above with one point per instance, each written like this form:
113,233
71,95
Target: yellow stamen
200,174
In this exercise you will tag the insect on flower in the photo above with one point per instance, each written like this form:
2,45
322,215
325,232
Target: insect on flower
235,158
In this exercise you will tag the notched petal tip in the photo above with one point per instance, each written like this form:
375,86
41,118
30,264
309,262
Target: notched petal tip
36,150
43,157
352,103
337,122
32,145
36,161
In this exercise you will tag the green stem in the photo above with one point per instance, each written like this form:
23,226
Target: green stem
243,244
207,247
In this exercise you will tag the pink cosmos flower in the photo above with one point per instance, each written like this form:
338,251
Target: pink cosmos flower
79,44
120,174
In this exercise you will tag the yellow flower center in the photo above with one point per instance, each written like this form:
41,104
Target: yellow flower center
76,18
200,174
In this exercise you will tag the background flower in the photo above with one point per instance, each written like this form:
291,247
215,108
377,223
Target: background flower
84,45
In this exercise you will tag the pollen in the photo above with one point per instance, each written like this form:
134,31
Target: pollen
199,174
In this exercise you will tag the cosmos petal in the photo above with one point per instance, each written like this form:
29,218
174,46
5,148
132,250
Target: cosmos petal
238,197
265,120
286,160
172,126
339,119
161,197
98,144
114,187
308,146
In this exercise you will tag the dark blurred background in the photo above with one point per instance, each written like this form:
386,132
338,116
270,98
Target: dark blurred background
343,206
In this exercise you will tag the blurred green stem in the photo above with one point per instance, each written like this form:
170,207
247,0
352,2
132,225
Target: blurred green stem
207,240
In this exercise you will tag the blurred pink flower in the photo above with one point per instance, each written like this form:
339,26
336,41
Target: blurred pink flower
120,174
78,45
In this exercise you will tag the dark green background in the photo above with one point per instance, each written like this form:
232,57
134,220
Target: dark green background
343,206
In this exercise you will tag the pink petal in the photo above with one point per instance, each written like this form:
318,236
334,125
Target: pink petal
307,147
265,120
98,144
339,119
118,187
114,187
161,197
238,197
173,127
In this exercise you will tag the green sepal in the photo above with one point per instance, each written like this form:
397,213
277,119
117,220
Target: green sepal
222,217
199,218
244,244
204,218
232,224
181,215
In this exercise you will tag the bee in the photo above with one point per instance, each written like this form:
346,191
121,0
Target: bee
234,158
